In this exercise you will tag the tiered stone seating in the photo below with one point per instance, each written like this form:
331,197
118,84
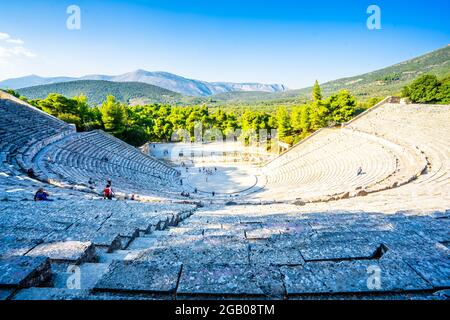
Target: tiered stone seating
271,252
148,250
33,139
39,241
327,165
24,131
100,156
395,145
422,127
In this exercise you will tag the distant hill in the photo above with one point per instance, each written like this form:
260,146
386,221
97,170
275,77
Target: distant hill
390,80
97,90
384,82
387,81
165,80
32,80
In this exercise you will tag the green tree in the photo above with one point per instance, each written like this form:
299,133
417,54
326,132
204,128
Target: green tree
316,92
319,115
424,89
283,123
342,106
114,115
56,104
134,135
443,95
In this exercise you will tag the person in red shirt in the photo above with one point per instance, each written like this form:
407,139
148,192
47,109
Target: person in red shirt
107,192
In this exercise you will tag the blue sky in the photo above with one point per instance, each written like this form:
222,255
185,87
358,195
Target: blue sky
289,42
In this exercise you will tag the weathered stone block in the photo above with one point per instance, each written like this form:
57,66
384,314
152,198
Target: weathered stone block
435,271
67,251
22,271
352,277
230,280
140,276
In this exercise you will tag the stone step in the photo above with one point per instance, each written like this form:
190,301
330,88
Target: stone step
23,271
66,251
119,255
142,243
138,276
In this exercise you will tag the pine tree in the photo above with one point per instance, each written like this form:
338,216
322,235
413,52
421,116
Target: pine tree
283,122
317,92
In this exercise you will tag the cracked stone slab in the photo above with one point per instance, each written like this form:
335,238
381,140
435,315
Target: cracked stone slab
230,280
22,271
65,251
222,241
263,233
390,238
435,271
186,231
82,235
352,277
330,227
274,253
441,234
296,228
14,246
122,230
370,226
431,250
110,240
225,232
119,255
337,236
142,224
327,250
198,255
142,243
140,276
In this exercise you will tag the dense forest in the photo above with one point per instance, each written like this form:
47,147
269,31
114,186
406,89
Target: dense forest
157,122
96,91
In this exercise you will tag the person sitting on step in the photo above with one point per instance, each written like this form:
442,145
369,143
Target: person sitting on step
42,195
108,193
30,173
360,171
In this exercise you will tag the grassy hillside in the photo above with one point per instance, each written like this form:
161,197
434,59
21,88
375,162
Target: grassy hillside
97,90
390,80
384,82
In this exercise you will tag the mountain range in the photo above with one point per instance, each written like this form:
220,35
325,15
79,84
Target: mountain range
147,87
166,80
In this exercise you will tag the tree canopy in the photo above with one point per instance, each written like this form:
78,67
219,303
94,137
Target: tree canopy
428,89
139,124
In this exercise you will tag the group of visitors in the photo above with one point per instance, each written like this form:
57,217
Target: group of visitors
207,171
185,194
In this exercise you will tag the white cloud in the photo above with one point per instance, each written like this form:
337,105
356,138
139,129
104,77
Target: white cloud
11,49
15,41
4,36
